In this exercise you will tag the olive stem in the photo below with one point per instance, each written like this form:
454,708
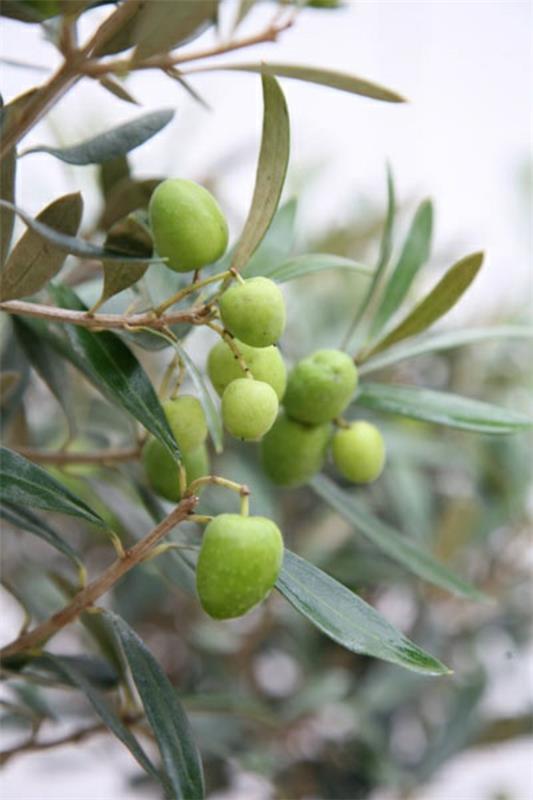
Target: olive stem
230,341
340,422
88,596
216,480
201,519
193,287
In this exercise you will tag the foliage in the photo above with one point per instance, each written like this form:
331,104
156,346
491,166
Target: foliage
408,533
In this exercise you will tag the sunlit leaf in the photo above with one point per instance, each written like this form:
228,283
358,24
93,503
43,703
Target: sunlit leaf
34,261
445,341
271,171
311,263
390,542
325,77
23,484
164,713
347,619
437,303
414,254
442,408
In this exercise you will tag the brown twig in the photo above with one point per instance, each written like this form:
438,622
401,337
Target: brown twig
109,456
146,319
33,745
88,596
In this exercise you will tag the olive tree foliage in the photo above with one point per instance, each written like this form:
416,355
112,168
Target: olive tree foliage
57,328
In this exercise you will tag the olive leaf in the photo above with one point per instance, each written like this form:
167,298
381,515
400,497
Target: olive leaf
325,77
437,303
311,263
8,168
71,244
414,254
162,26
347,619
25,484
117,90
110,144
444,341
271,171
132,237
442,408
9,380
397,547
34,260
164,713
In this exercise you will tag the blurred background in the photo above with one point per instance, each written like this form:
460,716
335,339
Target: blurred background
278,709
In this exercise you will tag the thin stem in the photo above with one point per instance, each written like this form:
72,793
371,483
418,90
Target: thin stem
96,457
193,287
88,596
230,341
146,319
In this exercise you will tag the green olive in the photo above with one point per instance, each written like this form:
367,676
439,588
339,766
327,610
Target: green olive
292,452
254,311
320,386
359,452
162,470
249,408
265,363
187,421
188,227
239,561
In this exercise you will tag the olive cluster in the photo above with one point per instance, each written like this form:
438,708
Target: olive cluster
241,555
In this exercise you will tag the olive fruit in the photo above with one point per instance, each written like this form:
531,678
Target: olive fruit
238,564
162,470
359,452
254,311
188,227
187,421
265,363
249,408
320,386
292,452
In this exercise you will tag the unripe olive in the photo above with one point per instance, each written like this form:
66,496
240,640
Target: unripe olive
163,472
359,452
188,227
254,311
320,386
249,408
239,561
292,452
265,363
187,421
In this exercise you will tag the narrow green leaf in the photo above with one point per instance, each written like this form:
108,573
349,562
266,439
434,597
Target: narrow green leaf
347,619
445,341
9,380
97,672
117,90
104,710
324,77
8,169
111,144
49,368
22,518
114,369
164,713
25,484
34,260
71,244
271,171
162,26
414,254
214,423
385,251
441,408
311,263
390,542
277,244
437,303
